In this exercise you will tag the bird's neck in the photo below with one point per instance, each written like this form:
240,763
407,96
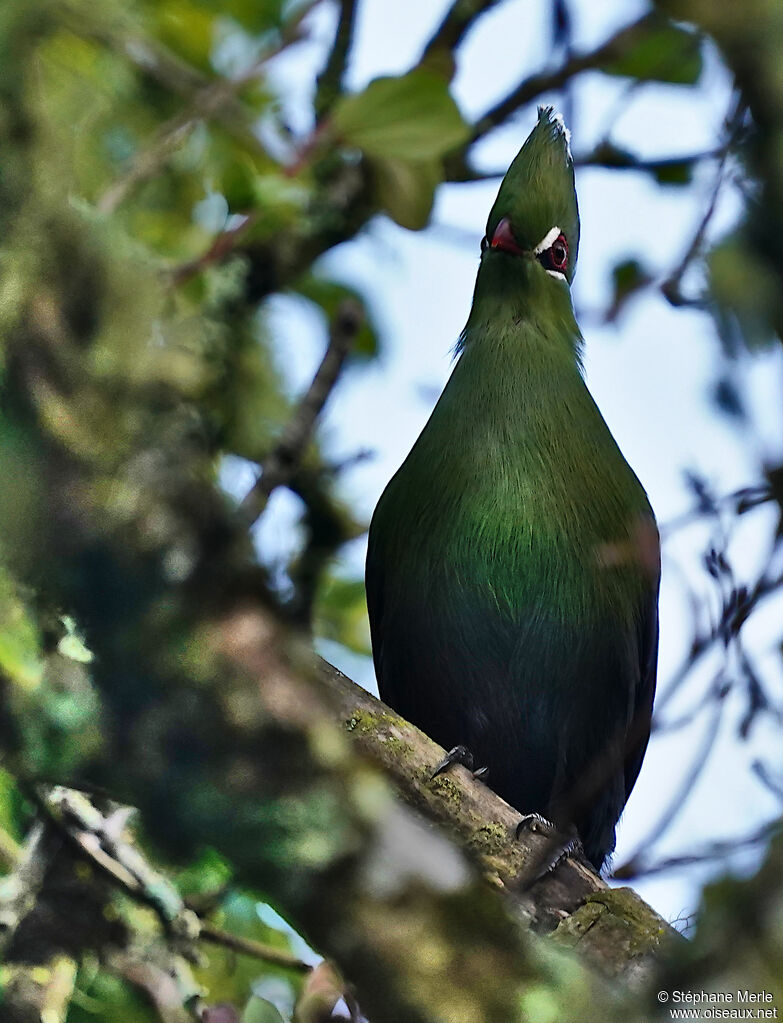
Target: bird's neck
511,302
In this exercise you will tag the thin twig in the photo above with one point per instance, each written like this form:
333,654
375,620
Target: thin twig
676,804
256,949
329,82
148,161
601,156
281,463
456,22
671,288
636,867
546,81
731,619
773,785
100,839
743,500
150,56
168,989
619,159
220,249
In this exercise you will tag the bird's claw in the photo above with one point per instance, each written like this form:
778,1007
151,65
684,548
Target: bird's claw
534,822
559,845
570,843
459,755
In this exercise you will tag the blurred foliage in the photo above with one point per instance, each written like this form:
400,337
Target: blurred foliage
668,53
152,195
340,613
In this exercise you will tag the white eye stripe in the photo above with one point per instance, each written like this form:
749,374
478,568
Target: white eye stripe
547,241
556,274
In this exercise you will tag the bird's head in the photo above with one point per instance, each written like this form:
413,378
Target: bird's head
535,217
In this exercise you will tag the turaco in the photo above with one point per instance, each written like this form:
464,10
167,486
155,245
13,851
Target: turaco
513,562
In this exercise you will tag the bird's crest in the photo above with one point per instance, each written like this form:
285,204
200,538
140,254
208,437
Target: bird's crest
538,193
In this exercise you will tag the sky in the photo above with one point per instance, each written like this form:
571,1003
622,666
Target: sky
650,373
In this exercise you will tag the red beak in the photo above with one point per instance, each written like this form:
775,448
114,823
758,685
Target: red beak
504,240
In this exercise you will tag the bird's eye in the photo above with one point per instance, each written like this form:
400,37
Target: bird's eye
484,243
556,256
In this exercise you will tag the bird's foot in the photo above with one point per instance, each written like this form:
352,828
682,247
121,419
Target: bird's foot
535,822
460,755
560,844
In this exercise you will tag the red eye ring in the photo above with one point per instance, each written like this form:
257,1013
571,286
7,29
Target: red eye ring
556,256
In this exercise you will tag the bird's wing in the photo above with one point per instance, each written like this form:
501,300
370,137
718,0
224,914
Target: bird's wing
638,733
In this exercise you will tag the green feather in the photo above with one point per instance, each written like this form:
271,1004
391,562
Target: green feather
512,572
538,191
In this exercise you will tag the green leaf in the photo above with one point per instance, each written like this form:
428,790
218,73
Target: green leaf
20,649
208,874
259,1010
413,117
341,613
666,172
745,291
666,53
628,277
255,16
679,172
188,29
405,189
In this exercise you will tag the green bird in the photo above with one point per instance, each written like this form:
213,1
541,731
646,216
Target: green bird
513,561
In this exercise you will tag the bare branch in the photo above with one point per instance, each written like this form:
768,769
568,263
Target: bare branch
732,618
160,985
677,802
638,866
483,823
329,82
738,501
609,156
457,21
256,949
671,288
603,155
282,462
100,839
532,87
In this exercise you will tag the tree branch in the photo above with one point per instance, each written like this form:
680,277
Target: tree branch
329,81
457,21
671,288
100,840
257,949
532,87
284,459
641,865
486,826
